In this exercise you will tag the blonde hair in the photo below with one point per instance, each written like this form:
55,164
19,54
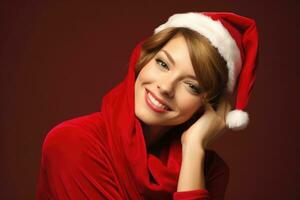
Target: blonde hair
209,66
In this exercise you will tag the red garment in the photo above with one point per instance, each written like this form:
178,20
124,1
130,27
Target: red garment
103,155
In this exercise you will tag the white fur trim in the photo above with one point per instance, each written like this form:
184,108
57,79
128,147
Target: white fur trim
237,119
216,33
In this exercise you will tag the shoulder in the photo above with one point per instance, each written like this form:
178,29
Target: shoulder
73,150
92,121
215,165
74,136
82,126
216,175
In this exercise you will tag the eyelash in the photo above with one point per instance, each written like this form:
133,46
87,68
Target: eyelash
160,62
194,88
165,66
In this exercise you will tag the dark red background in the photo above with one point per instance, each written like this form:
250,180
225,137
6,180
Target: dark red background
58,59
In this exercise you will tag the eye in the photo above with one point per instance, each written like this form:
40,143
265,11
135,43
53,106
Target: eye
161,63
194,88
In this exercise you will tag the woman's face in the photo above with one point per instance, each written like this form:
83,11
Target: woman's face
166,89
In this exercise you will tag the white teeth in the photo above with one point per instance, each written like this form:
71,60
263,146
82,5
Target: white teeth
155,102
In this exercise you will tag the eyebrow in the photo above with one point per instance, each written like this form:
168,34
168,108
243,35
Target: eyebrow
173,62
169,56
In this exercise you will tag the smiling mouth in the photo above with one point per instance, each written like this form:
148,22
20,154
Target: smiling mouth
154,104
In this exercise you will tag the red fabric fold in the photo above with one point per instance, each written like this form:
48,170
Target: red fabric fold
104,156
191,195
127,143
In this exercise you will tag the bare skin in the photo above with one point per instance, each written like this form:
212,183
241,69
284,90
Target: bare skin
210,126
170,81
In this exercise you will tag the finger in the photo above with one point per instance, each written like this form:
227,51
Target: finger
225,107
228,109
221,107
208,108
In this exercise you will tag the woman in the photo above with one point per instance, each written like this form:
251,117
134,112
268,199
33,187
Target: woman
150,139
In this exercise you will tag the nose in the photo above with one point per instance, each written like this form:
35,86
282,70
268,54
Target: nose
166,88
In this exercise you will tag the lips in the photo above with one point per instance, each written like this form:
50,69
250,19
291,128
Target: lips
155,103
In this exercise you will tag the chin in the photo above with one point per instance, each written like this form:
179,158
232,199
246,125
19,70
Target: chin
152,121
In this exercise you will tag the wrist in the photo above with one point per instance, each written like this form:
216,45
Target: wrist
192,148
194,142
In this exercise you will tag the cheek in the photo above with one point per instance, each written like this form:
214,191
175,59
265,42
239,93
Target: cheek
189,105
144,77
148,73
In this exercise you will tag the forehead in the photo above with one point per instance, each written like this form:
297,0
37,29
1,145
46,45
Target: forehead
179,51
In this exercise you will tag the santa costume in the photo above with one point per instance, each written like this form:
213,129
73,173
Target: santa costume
103,155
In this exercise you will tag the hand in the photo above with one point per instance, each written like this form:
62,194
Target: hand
210,126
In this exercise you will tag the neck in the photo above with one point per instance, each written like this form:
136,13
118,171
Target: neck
153,133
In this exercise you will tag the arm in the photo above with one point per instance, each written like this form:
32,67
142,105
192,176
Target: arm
194,142
216,177
191,175
191,184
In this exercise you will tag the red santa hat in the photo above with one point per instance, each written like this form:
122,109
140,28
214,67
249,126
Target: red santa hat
236,39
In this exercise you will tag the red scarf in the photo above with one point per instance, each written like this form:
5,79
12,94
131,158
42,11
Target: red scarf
141,173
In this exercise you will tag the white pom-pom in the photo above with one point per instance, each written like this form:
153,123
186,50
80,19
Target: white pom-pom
237,120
